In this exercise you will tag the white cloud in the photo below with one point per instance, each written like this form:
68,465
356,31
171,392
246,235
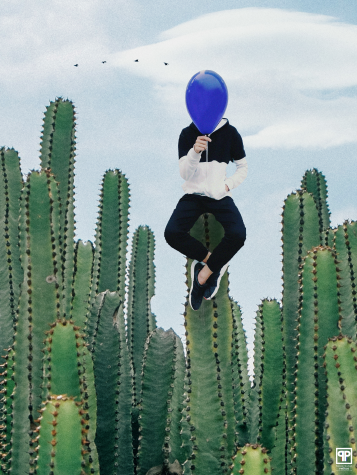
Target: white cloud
286,72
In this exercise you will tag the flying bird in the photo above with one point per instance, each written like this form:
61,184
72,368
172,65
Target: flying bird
76,65
136,61
166,64
103,62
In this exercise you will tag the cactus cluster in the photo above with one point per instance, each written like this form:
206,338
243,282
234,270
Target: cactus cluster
90,385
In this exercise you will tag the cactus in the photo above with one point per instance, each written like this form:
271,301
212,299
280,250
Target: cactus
210,436
162,382
141,321
345,241
251,460
61,444
83,267
319,320
314,182
111,235
113,380
300,233
268,374
57,155
341,415
11,274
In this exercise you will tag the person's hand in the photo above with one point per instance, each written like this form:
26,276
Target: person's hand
201,143
227,189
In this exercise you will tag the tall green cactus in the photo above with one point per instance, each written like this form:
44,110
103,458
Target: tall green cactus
141,321
113,380
83,273
300,232
211,435
314,182
61,443
11,274
251,460
57,155
319,320
111,235
266,396
345,241
341,415
162,381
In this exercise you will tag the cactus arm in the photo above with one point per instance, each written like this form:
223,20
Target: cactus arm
113,384
111,233
346,247
254,410
141,277
240,377
11,274
300,233
319,320
271,371
61,439
57,154
157,435
314,182
251,460
341,396
93,318
82,282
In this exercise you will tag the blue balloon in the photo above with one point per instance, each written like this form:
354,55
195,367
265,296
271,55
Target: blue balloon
206,100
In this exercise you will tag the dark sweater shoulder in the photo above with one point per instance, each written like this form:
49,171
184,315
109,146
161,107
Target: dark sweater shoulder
226,145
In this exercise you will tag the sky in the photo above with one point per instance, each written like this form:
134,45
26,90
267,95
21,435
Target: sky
291,72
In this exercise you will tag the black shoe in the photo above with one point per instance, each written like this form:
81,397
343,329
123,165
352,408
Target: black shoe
213,283
197,290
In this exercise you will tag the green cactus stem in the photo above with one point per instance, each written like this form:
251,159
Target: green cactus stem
82,282
346,247
211,378
314,182
38,307
240,377
111,235
113,380
61,442
268,374
140,321
57,155
7,385
11,274
341,416
251,460
300,232
162,382
319,319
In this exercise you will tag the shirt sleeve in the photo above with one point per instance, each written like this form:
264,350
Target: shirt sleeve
237,148
239,175
188,158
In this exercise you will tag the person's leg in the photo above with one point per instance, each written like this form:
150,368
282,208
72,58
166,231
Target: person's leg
226,212
177,235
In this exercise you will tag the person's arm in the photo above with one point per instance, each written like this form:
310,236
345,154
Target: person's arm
238,157
239,175
189,157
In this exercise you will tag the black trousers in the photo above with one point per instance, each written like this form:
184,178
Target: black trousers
186,213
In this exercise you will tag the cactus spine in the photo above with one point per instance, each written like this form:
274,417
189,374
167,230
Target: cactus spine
162,381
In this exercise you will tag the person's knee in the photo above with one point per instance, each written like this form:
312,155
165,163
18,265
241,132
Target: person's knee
237,237
170,235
